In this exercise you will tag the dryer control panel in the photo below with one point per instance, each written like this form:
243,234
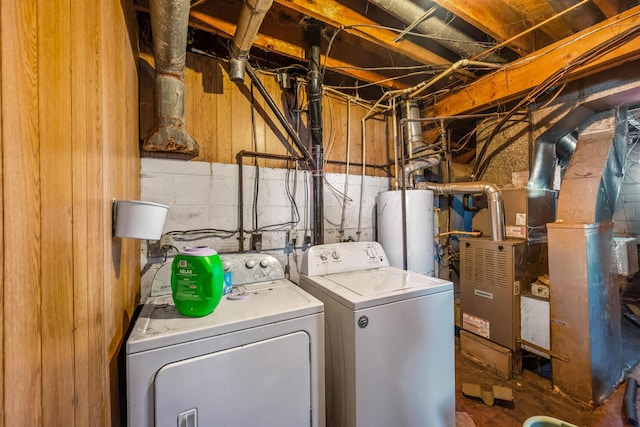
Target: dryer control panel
252,267
343,257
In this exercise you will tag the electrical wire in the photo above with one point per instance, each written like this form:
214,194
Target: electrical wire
326,55
256,181
481,163
216,232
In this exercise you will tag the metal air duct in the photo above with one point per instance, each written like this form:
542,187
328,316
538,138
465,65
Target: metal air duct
169,23
413,138
447,36
419,164
591,184
580,244
494,199
555,144
251,16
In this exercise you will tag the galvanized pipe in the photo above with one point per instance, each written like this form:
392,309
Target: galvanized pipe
494,199
251,17
169,22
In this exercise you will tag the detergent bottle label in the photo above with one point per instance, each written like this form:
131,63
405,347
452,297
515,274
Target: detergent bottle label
196,281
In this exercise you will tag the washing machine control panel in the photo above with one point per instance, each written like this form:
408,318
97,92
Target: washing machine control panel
343,257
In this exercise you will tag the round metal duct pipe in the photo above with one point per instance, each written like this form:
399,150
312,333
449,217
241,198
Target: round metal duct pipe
494,199
449,37
251,17
169,23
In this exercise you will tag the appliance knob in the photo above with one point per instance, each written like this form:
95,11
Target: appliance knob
226,265
323,256
371,252
250,263
264,263
336,255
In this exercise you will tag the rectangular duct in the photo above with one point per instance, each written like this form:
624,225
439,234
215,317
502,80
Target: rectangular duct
585,311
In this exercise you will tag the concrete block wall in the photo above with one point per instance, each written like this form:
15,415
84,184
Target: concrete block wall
204,196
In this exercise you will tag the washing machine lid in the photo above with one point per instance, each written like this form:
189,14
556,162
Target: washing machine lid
159,323
368,288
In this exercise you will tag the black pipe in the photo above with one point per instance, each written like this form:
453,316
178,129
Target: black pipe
403,194
239,156
314,36
283,121
629,411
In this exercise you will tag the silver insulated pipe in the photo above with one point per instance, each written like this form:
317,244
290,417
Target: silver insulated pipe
447,36
494,199
251,16
169,23
413,138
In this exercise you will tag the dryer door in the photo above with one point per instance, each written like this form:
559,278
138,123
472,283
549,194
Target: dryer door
267,383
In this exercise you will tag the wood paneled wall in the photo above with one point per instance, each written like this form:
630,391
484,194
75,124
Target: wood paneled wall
218,115
69,145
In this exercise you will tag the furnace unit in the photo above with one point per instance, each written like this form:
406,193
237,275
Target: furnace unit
492,276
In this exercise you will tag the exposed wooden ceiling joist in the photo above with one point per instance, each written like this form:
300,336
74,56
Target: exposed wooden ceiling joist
500,20
517,78
610,8
270,44
337,15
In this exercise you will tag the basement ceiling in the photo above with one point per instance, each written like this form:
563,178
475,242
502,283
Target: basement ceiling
513,47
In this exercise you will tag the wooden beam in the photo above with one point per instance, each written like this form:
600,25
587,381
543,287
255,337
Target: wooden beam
525,74
610,8
490,16
226,29
340,16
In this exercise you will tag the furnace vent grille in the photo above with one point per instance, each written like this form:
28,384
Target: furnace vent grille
488,266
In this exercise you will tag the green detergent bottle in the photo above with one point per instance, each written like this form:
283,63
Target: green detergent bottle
197,280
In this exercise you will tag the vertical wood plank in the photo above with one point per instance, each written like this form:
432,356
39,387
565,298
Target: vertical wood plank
192,92
21,209
208,103
240,125
54,64
126,285
2,413
96,368
224,122
130,51
84,120
147,95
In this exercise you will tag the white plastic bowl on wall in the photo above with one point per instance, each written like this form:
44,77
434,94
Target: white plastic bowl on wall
136,219
544,421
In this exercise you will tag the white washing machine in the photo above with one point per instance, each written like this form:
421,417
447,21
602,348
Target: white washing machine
256,361
389,338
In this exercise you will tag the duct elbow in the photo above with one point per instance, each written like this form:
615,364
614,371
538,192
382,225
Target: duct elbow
251,17
237,63
418,165
491,190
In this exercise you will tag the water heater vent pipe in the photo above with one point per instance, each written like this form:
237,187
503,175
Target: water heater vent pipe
494,199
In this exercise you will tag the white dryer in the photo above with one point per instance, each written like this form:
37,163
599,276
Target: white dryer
389,338
256,361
